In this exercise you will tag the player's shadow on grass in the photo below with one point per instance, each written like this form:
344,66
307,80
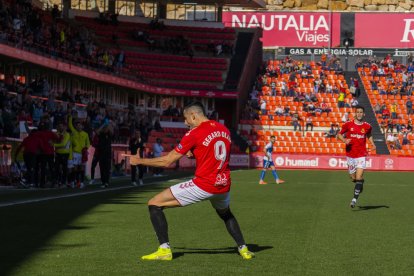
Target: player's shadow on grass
371,207
226,250
29,228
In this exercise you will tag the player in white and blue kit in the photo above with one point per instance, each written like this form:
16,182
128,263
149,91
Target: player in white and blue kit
268,162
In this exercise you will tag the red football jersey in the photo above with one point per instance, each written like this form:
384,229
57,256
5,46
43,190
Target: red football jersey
358,135
210,144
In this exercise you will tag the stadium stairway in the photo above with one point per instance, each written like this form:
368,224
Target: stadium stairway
242,46
370,116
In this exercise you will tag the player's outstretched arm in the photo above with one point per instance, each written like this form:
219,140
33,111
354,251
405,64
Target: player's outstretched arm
163,161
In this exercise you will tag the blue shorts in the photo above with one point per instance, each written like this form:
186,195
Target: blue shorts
267,164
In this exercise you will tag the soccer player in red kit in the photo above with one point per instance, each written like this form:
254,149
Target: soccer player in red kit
209,142
354,134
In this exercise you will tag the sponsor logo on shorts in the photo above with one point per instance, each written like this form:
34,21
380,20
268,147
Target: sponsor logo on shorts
187,185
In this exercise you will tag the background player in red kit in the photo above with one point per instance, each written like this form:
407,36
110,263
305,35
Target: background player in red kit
209,142
354,134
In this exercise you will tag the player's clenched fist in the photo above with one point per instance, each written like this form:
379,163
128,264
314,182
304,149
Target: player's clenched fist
133,159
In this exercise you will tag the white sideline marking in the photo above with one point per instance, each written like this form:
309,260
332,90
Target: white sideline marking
20,202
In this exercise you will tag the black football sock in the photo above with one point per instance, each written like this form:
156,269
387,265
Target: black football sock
159,222
358,188
362,185
232,226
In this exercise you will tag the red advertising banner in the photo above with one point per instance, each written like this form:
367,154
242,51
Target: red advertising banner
326,162
236,160
384,30
90,74
290,29
315,162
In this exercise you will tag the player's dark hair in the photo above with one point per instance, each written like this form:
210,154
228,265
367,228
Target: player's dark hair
272,136
359,107
196,105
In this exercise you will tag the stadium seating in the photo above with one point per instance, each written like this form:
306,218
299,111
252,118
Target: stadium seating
287,140
180,71
388,99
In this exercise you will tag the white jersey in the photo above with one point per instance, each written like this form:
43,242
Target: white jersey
268,151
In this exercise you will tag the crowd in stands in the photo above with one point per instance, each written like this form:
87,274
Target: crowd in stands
179,44
390,77
26,27
33,104
287,77
47,33
24,114
390,87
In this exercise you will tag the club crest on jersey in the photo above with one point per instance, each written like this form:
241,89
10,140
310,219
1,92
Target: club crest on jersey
363,130
352,129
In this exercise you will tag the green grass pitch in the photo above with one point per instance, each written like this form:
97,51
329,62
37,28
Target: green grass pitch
302,227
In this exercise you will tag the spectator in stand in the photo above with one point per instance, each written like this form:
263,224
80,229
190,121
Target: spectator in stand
263,107
410,68
324,58
374,85
309,123
341,99
292,87
95,158
405,140
37,112
30,145
390,125
105,134
157,150
58,115
328,88
286,111
279,110
382,90
136,144
384,126
322,88
62,149
332,132
377,108
409,126
397,142
357,89
393,110
55,12
410,90
284,88
324,107
296,122
352,91
80,145
24,117
385,113
391,141
409,106
345,117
